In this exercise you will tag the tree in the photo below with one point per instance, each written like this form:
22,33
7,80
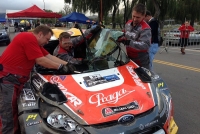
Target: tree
180,10
93,6
67,9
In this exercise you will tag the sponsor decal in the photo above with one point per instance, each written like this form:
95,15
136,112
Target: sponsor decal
31,116
115,110
33,123
151,123
107,111
28,94
173,128
160,85
141,126
62,77
100,99
135,77
93,80
37,83
75,101
29,104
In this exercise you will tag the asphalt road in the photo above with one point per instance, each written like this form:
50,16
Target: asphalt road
182,74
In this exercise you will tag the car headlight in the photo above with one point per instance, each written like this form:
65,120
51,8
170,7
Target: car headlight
4,33
59,119
160,100
164,103
168,104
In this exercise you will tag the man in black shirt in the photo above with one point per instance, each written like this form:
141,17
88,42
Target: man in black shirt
153,23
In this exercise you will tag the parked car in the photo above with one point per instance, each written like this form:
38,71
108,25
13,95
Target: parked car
58,24
4,37
108,95
173,37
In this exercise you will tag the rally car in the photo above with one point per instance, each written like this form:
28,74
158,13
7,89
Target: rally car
110,94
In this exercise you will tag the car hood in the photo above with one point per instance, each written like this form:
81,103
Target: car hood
104,96
2,30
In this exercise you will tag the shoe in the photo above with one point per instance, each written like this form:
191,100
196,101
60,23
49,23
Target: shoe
183,51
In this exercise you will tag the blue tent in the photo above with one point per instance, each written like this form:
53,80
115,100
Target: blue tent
74,16
2,17
2,20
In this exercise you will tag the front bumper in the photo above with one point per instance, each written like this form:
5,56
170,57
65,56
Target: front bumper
4,39
32,123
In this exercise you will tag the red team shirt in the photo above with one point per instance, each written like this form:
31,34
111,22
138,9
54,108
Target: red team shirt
61,50
19,57
185,31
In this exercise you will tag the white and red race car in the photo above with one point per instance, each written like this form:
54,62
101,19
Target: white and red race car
109,95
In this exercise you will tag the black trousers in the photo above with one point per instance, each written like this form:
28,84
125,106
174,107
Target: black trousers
10,87
184,42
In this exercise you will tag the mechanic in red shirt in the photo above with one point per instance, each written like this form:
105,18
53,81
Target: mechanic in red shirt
185,30
138,37
16,62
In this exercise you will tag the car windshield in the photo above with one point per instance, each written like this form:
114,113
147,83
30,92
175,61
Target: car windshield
103,52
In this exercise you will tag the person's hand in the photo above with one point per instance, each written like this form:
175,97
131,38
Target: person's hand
131,36
82,61
85,61
123,40
68,68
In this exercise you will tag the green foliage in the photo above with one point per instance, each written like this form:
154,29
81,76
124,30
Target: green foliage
180,10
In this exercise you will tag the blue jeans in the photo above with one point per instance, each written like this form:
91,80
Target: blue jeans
152,52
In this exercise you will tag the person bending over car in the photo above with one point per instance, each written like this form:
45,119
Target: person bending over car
137,37
65,48
16,63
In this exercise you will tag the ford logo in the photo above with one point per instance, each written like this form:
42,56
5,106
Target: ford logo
126,119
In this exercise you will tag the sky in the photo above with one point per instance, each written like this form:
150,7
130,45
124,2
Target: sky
54,5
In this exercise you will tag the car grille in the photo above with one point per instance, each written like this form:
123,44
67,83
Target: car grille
115,122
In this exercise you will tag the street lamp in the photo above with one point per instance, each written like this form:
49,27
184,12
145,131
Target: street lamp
44,5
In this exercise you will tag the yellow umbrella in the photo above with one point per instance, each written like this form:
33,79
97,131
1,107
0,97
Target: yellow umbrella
23,22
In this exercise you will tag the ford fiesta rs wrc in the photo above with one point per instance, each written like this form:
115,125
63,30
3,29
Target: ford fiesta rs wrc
110,94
